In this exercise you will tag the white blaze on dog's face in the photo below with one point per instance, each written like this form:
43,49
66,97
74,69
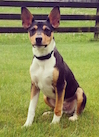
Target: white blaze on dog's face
40,32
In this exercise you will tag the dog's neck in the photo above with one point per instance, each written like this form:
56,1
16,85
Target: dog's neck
43,51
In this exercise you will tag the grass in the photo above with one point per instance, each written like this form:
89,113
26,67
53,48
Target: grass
81,53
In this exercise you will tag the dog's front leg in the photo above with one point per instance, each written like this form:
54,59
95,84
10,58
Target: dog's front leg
58,105
33,102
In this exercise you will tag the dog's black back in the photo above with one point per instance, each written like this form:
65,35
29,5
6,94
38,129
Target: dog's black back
65,74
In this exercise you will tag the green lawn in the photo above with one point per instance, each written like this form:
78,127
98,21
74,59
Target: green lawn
81,53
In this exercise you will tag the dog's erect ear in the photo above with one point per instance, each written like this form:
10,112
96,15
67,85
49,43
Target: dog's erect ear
54,17
26,17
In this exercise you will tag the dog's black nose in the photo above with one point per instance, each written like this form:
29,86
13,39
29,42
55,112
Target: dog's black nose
39,40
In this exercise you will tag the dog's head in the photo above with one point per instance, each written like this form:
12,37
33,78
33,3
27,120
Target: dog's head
40,32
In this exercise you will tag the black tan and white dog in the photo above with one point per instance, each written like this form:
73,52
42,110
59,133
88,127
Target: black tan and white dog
49,73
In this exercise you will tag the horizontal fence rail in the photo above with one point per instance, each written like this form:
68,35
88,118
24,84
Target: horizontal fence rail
92,4
60,29
44,17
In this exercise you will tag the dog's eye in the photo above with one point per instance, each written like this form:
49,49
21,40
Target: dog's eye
47,31
32,31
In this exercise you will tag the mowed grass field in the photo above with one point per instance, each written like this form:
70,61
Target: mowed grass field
81,53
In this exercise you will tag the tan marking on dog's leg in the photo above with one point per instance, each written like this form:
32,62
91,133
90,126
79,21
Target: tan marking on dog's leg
32,106
59,101
58,105
47,102
59,98
34,90
55,76
79,94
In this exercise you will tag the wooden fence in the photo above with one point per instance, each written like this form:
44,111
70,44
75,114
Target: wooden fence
90,4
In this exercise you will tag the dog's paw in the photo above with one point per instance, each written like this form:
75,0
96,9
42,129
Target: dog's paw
73,118
54,122
56,119
47,113
27,124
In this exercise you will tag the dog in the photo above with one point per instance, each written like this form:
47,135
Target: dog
49,73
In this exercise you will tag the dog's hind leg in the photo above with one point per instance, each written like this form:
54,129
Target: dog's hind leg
81,102
50,103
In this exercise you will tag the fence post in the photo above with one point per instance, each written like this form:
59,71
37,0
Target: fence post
96,34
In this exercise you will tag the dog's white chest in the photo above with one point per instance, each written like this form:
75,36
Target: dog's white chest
42,75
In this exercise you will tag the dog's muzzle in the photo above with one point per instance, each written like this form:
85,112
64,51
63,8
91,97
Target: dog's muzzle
38,40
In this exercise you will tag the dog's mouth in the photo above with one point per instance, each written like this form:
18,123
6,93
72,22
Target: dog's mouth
39,45
38,42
